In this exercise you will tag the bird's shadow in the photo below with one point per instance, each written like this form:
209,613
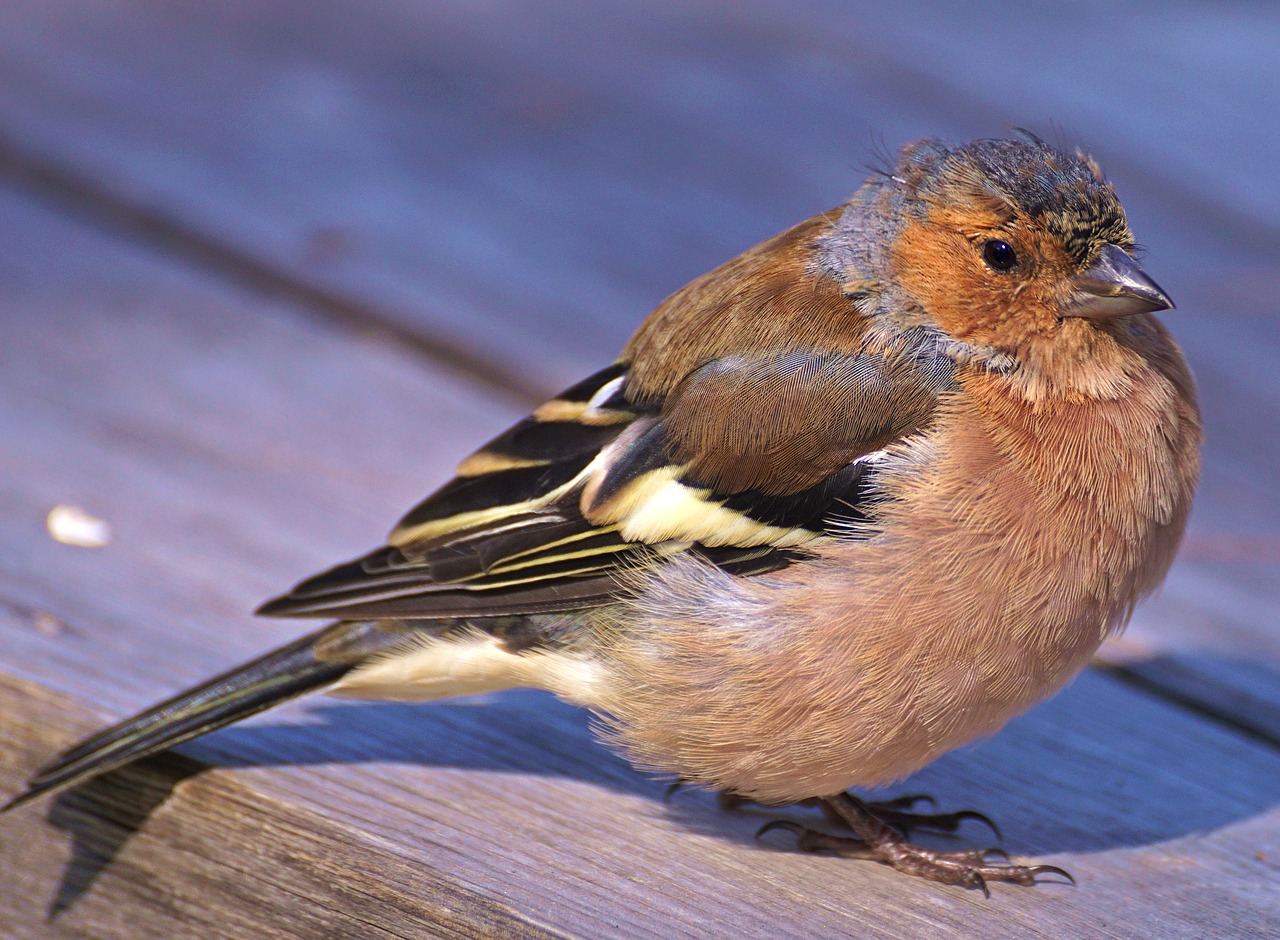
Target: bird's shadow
101,816
1102,766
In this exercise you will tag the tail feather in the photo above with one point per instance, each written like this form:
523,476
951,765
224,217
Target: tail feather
318,659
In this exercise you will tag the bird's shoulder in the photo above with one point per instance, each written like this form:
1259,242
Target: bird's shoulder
743,422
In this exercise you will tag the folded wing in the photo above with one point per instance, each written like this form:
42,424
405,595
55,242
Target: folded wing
746,463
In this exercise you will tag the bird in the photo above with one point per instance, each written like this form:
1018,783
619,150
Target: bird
853,499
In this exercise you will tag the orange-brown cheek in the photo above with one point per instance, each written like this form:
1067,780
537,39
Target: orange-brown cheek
941,269
937,268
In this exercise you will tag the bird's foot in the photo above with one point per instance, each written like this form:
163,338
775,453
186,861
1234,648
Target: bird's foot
880,833
899,814
896,812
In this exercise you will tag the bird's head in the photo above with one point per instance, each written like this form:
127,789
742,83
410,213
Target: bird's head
1002,244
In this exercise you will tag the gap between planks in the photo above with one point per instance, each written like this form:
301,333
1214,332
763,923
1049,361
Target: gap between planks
87,199
1135,678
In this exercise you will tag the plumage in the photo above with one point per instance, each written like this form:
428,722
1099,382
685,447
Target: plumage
853,499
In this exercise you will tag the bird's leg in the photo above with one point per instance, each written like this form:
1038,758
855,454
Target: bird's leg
884,841
896,812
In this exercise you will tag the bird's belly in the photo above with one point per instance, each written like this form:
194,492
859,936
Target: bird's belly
778,694
467,663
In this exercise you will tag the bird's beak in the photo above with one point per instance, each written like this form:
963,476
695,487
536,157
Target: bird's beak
1114,286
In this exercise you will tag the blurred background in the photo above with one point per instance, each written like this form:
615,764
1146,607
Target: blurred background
555,169
269,268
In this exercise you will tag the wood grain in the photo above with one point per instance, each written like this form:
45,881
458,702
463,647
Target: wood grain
295,203
127,857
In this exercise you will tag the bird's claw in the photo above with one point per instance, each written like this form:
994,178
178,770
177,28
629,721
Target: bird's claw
787,824
897,813
880,831
876,834
906,803
1037,870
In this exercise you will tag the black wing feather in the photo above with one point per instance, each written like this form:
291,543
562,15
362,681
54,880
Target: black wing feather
509,535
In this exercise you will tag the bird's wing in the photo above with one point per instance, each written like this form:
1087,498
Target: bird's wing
744,463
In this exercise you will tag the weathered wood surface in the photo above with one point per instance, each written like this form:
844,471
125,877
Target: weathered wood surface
221,861
511,190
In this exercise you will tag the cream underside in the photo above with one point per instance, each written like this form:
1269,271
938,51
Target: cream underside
468,665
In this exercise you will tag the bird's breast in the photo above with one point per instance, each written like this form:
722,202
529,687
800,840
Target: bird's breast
1015,538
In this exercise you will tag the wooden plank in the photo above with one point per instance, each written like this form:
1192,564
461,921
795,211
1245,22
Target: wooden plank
161,851
233,445
117,368
126,858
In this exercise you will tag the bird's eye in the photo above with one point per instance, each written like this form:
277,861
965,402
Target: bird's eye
999,255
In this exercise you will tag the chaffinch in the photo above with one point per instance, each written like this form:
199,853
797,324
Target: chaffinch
851,500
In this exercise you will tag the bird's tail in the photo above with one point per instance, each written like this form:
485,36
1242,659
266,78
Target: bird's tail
316,660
